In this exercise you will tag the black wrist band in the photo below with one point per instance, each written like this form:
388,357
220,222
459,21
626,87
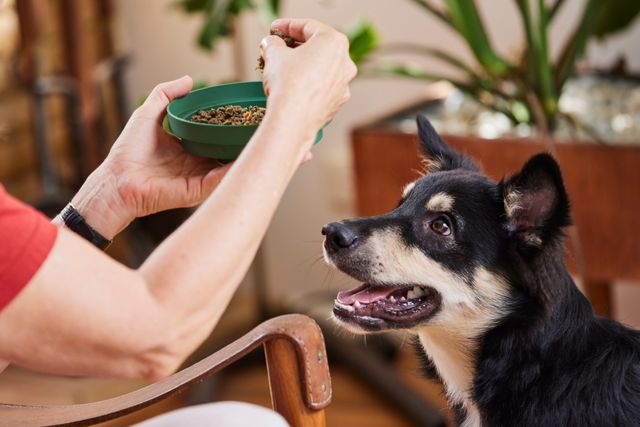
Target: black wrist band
76,223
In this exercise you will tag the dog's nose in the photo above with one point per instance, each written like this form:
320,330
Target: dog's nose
338,236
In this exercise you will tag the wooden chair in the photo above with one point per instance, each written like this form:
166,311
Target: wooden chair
296,364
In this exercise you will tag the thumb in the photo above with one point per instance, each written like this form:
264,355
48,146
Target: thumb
164,93
269,44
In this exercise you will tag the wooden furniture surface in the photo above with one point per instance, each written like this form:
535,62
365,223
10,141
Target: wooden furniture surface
298,379
603,184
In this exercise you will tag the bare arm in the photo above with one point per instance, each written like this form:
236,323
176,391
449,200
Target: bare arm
84,313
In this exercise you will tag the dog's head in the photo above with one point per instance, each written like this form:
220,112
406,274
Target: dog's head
444,253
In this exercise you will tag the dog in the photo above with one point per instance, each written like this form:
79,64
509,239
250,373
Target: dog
474,269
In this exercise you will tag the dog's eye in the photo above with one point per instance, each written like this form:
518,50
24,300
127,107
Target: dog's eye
441,226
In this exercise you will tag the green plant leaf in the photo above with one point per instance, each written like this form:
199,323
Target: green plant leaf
418,49
485,82
415,72
269,11
237,6
495,102
577,42
539,71
466,20
615,16
553,10
463,17
218,15
210,32
442,16
192,6
363,40
520,112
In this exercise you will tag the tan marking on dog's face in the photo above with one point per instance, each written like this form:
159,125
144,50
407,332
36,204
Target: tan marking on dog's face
402,264
407,189
440,202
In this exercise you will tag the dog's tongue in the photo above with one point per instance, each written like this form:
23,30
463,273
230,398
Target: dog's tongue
364,294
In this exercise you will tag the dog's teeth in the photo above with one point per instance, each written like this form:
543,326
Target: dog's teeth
411,294
402,299
345,307
348,308
357,304
392,298
418,292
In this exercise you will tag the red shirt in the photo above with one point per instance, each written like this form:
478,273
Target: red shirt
26,238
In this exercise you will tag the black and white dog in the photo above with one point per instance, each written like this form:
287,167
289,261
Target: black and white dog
475,270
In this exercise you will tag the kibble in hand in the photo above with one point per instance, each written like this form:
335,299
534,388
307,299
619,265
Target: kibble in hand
289,41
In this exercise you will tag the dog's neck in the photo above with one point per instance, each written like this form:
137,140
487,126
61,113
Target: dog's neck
451,352
452,344
545,277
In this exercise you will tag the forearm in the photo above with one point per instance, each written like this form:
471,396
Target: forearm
195,271
178,295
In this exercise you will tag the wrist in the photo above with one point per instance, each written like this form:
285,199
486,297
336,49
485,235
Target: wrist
286,139
293,116
99,202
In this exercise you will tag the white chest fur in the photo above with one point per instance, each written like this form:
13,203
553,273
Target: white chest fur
451,354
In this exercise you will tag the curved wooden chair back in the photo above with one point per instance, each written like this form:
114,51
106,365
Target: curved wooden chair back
296,363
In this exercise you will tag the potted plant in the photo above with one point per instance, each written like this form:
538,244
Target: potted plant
603,179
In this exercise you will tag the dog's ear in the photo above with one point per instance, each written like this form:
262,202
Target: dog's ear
536,202
438,155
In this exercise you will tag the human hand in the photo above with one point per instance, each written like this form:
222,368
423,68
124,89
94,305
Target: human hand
315,74
146,171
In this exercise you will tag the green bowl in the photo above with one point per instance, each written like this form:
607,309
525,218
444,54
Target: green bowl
222,142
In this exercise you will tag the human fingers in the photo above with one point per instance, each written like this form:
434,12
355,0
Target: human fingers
269,42
212,179
270,45
300,29
164,93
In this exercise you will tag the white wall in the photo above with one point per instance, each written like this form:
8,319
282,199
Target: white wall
162,43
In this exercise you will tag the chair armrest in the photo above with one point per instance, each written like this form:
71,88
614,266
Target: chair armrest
290,340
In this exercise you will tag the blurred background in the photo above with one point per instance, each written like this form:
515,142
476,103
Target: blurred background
71,72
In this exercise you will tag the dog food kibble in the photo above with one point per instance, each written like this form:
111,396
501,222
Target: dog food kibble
230,115
289,41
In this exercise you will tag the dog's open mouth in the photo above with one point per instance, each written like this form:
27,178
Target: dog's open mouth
376,307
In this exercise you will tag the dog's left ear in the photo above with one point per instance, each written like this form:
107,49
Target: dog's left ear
440,156
536,202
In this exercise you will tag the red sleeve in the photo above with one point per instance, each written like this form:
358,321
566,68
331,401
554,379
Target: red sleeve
26,238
